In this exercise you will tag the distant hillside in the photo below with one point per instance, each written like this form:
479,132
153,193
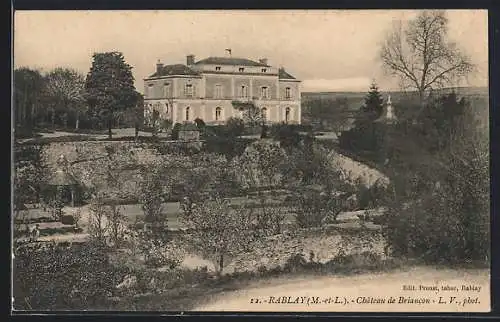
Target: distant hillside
395,95
328,107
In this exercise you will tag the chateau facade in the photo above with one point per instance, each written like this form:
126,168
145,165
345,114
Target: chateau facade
207,89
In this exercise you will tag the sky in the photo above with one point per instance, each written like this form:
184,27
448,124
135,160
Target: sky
329,50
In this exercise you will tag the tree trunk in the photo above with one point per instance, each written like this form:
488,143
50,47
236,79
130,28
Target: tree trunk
77,124
110,133
53,118
221,263
33,118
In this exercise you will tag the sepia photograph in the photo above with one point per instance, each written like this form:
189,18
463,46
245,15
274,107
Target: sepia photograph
250,161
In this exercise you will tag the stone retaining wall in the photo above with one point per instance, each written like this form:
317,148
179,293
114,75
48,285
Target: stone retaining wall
325,243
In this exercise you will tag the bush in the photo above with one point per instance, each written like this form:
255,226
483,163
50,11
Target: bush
199,123
287,134
441,208
226,146
60,278
67,220
235,126
175,131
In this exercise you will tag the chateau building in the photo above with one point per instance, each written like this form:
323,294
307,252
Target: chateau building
209,88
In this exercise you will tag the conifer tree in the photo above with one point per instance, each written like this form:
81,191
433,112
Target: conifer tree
372,109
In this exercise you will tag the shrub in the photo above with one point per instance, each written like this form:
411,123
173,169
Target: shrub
441,206
288,135
56,277
295,263
175,131
199,123
67,220
235,126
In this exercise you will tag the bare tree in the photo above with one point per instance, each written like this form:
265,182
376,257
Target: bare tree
420,54
97,224
219,230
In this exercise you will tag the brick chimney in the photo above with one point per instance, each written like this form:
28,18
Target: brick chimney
159,66
190,60
263,61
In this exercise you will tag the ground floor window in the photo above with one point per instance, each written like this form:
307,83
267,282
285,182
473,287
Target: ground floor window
287,114
218,113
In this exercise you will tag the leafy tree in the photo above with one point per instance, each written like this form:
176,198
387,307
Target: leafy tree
28,89
110,86
64,92
420,54
440,205
219,230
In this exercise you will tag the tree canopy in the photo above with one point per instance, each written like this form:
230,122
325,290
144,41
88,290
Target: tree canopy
110,86
422,56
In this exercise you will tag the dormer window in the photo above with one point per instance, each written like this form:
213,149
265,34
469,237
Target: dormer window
217,68
264,70
241,69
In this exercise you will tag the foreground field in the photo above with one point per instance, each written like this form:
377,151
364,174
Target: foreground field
376,286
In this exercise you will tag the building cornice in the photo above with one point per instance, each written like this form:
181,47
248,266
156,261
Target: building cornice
290,80
222,100
172,76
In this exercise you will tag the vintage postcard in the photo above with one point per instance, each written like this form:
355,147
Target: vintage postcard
251,161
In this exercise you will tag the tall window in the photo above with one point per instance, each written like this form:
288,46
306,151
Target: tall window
187,113
288,93
166,90
166,108
218,113
243,91
188,90
287,115
150,90
264,92
218,91
264,113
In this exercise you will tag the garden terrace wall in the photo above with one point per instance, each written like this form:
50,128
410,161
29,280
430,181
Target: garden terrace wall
326,243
